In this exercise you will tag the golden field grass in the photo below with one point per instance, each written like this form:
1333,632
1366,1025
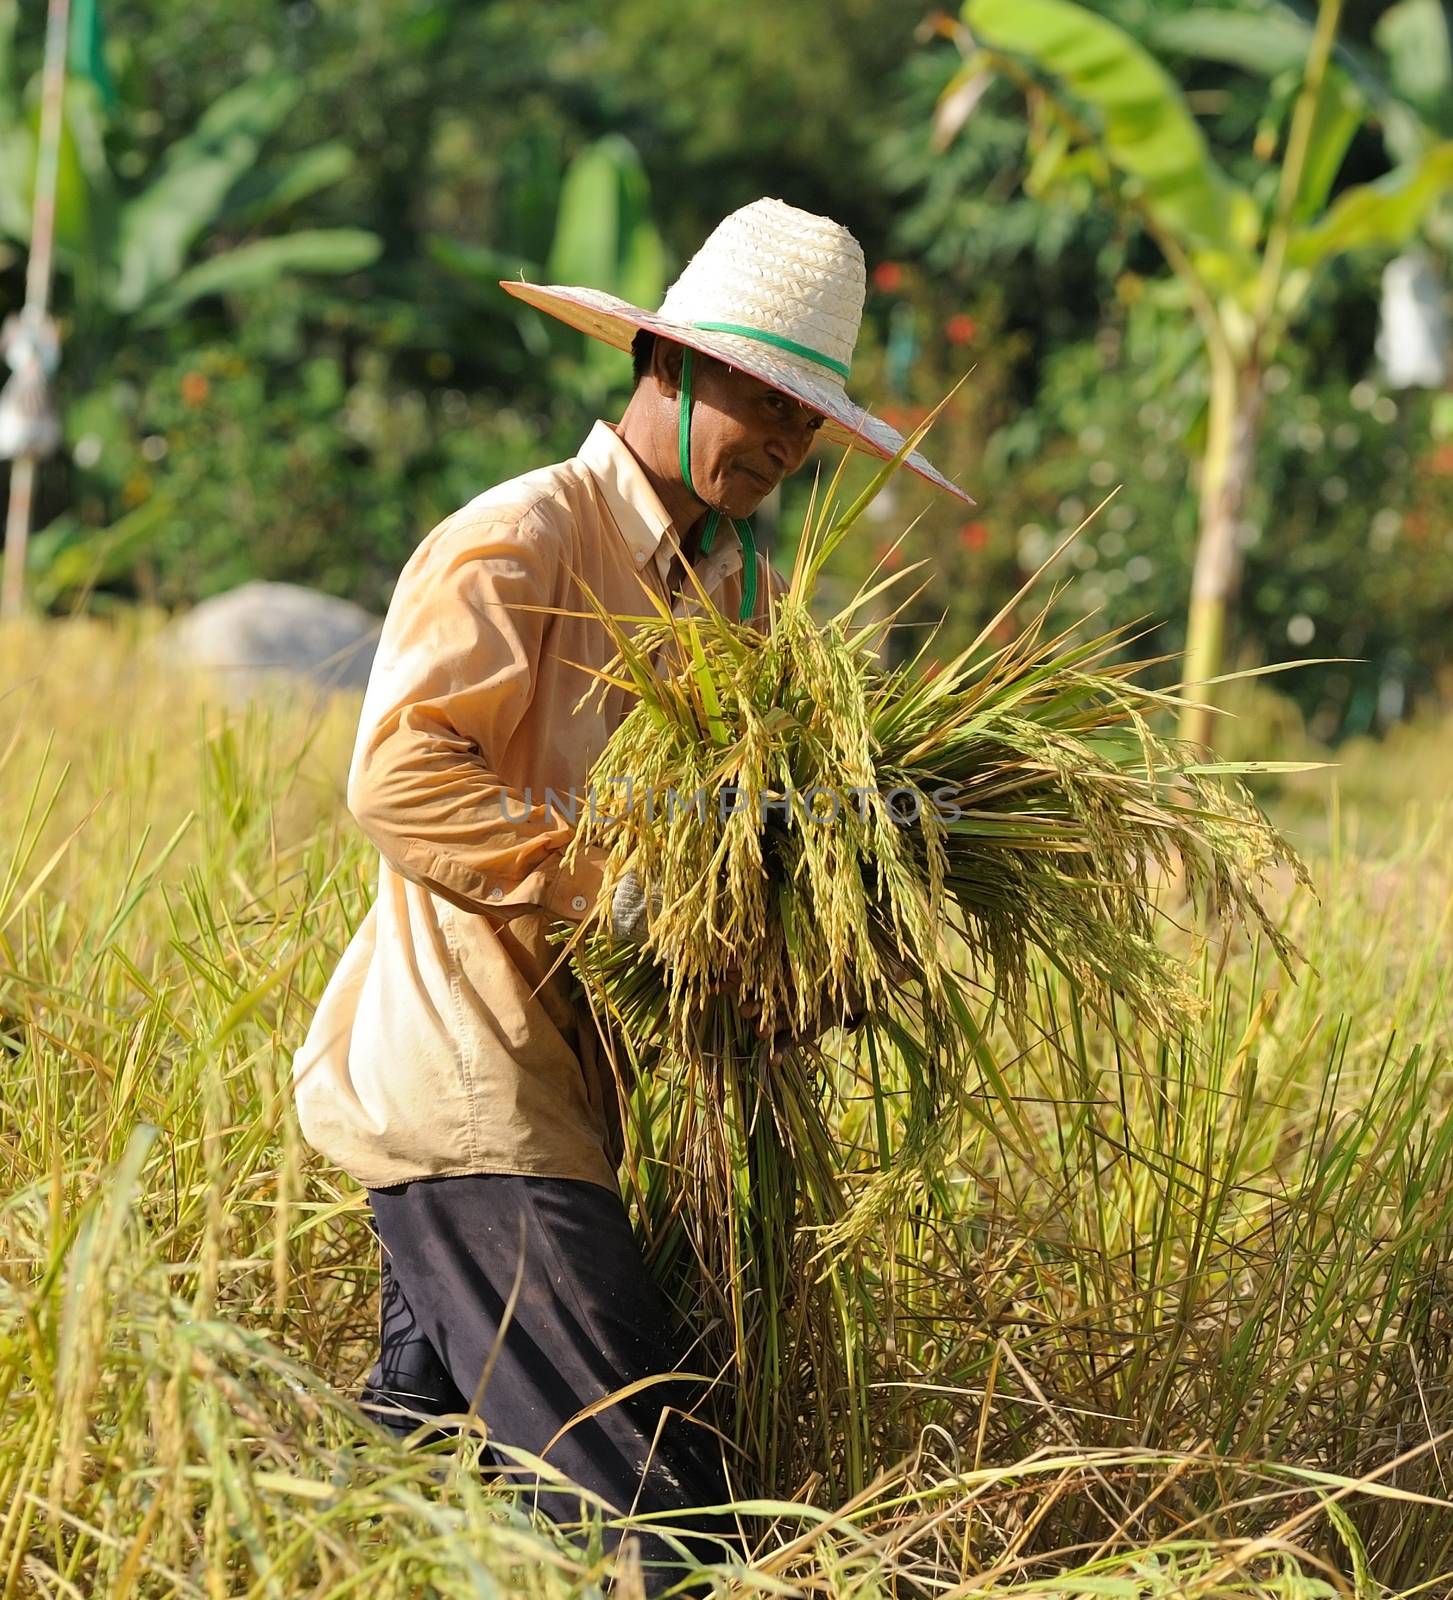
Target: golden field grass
1193,1333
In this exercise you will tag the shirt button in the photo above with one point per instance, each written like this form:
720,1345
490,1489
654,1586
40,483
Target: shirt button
496,893
578,903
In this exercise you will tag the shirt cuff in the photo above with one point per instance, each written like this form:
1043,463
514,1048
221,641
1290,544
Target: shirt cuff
570,895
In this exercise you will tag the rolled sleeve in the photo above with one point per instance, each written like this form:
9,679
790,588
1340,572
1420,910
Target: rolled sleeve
454,677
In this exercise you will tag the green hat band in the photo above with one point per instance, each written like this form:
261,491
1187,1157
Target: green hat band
763,337
744,529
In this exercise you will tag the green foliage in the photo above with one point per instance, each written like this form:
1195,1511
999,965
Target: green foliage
444,129
66,562
958,215
1245,268
604,237
286,468
261,263
1142,125
727,103
157,229
1110,98
1344,536
127,252
1267,42
1385,214
1414,36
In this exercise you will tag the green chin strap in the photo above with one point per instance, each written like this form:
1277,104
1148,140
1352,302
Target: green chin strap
744,529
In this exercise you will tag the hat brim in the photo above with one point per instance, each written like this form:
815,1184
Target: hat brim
615,322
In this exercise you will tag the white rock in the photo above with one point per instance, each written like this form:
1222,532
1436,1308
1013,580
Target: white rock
251,635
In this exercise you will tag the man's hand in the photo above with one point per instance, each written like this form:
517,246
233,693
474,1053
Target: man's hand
631,909
790,1038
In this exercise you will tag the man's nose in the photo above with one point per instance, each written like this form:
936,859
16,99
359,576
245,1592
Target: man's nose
789,446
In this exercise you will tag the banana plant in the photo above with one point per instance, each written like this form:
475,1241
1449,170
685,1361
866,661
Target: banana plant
1104,110
603,237
1407,87
131,253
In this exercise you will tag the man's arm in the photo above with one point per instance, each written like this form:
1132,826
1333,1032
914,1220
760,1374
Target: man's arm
454,675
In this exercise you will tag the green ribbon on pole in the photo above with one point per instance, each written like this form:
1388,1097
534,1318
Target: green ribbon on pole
86,57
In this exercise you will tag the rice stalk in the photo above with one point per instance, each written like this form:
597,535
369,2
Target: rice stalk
828,835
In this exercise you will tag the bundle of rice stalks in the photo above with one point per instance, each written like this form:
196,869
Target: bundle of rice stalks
825,836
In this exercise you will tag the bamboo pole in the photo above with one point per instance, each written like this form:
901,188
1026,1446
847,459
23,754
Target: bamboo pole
37,289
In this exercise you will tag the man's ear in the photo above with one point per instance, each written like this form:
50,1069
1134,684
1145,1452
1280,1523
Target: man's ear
666,367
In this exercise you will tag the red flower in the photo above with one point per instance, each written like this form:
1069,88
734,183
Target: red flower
960,328
888,276
890,555
195,388
974,535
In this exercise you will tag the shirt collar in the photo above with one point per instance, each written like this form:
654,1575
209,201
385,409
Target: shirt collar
639,514
633,503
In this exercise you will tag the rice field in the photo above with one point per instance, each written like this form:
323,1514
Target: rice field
1191,1332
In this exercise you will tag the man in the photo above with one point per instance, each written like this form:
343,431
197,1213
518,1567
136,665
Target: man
447,1068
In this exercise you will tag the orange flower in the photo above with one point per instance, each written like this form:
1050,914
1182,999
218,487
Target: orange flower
890,555
195,388
974,535
960,328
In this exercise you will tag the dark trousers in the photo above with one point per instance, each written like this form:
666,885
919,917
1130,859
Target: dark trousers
587,1320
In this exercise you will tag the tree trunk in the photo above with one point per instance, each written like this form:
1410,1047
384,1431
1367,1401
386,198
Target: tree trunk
1226,476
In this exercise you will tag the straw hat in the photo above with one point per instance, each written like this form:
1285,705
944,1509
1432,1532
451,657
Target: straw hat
774,291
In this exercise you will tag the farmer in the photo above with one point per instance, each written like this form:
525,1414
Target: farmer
447,1068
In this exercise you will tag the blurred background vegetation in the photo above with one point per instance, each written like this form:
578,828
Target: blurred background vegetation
286,356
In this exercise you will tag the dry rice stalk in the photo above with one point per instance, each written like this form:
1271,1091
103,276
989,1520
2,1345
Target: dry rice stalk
821,829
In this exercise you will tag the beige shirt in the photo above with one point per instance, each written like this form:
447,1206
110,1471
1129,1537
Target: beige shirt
439,1045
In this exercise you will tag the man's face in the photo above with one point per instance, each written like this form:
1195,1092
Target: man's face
745,436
